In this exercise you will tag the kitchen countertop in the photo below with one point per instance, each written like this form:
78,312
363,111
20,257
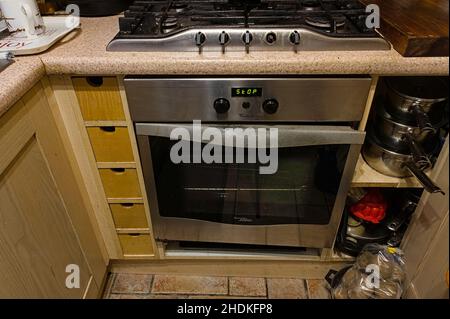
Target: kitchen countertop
17,79
84,53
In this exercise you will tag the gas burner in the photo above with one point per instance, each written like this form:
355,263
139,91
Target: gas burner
325,22
311,5
180,7
169,24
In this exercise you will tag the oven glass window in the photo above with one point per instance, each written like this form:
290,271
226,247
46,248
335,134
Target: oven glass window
302,191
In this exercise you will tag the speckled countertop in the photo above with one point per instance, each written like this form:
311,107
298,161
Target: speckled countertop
17,79
84,52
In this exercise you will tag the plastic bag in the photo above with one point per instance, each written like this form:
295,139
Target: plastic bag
378,273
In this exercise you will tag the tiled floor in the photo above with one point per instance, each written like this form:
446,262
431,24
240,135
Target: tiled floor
140,286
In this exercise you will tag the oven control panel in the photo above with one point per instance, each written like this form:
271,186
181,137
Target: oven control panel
302,99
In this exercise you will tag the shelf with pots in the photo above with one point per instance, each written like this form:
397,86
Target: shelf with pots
406,130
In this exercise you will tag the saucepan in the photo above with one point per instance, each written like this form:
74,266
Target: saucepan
415,97
393,163
404,138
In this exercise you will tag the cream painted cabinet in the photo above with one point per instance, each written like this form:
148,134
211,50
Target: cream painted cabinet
426,243
44,220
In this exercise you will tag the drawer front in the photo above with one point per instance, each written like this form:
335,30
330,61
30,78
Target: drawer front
99,98
136,244
120,183
129,215
111,144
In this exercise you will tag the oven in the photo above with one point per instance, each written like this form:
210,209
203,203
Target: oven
285,150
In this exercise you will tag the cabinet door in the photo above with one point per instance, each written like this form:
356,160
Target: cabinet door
426,241
39,205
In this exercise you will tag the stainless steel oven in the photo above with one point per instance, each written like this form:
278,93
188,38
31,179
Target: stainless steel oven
299,204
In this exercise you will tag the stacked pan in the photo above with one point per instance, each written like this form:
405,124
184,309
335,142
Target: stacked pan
404,131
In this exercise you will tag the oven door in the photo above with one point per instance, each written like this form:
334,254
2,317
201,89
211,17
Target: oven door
298,205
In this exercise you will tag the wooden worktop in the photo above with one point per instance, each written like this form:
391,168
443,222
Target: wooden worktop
415,27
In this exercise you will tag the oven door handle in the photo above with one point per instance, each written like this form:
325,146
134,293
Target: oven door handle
288,135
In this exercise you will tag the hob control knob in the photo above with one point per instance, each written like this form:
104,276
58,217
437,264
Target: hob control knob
294,38
221,105
247,38
271,38
270,106
224,38
200,39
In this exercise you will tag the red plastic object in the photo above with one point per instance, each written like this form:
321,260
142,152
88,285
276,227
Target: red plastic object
372,207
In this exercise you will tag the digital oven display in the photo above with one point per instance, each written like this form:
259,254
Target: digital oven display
246,92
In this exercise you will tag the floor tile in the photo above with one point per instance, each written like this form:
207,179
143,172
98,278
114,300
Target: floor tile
286,288
317,289
204,285
132,284
244,286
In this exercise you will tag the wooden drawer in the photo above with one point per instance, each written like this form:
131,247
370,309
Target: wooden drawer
99,98
111,144
136,244
129,215
120,182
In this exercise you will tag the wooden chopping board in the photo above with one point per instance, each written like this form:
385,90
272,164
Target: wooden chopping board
415,27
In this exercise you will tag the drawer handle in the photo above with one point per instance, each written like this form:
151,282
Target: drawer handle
134,235
95,81
127,205
118,170
109,129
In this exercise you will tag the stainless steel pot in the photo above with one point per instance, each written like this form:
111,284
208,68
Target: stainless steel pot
402,137
395,164
391,131
414,97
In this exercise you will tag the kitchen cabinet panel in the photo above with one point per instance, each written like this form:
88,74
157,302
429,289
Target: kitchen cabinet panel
136,244
111,144
128,215
43,217
99,98
120,183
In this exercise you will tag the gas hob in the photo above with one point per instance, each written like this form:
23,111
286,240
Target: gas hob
229,25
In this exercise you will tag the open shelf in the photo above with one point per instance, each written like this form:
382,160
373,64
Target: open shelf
365,176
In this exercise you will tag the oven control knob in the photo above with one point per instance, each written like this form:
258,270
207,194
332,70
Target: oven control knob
221,105
200,39
294,38
270,106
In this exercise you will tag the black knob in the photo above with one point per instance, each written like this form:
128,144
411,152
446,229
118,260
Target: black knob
270,106
200,39
271,38
294,38
224,38
221,105
247,38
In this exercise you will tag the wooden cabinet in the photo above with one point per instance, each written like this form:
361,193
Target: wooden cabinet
96,118
129,215
111,144
121,183
43,214
99,98
135,245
